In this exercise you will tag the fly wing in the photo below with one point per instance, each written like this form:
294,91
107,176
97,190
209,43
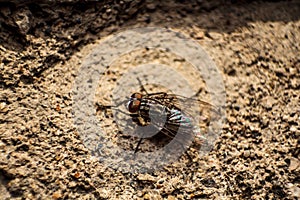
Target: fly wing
199,111
178,127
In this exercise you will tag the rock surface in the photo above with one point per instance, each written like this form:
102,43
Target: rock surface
255,44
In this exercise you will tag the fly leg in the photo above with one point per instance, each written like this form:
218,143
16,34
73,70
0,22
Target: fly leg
144,132
170,134
154,94
143,88
150,94
101,107
196,94
141,133
137,146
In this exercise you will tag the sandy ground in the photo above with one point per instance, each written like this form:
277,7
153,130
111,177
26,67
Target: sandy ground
254,44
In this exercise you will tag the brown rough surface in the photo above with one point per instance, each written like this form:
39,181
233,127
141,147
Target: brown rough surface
255,45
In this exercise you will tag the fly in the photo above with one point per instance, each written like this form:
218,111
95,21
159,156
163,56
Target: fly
139,106
178,112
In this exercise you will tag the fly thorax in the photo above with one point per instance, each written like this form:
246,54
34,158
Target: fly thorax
144,109
153,112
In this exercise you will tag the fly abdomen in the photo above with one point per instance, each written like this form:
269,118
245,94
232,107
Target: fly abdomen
179,118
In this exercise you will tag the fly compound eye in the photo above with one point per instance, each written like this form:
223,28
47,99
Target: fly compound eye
133,106
136,95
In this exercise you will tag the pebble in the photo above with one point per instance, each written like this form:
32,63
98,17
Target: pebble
293,129
151,6
247,153
170,197
146,177
56,195
146,196
295,164
296,192
22,19
3,107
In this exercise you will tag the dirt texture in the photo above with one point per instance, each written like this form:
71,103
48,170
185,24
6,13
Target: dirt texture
255,45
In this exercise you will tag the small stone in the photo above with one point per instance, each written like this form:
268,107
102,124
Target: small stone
146,177
56,195
34,129
293,129
146,196
293,70
294,164
213,35
151,6
104,193
72,184
197,35
170,197
58,108
246,153
161,181
228,134
295,191
22,19
231,119
77,175
3,107
2,145
268,102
